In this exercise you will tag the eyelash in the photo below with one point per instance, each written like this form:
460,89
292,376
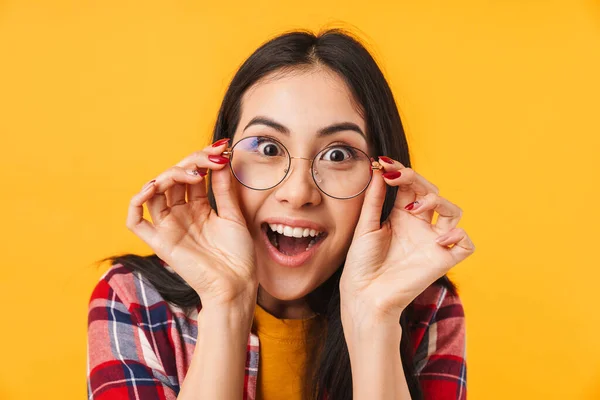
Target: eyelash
339,143
332,144
262,137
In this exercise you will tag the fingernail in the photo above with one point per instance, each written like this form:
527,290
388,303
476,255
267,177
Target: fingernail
219,159
220,142
203,172
192,172
386,160
148,185
392,175
412,206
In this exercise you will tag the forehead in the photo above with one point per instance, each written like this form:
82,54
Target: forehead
304,101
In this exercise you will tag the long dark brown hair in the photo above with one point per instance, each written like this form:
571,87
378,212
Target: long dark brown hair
328,364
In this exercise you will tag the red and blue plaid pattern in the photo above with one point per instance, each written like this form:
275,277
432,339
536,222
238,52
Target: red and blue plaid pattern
140,346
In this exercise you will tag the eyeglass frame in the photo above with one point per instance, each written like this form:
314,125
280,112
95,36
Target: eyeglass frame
229,152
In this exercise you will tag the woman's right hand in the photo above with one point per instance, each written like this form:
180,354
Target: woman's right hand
213,253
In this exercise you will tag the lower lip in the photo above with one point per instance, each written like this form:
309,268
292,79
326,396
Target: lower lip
289,261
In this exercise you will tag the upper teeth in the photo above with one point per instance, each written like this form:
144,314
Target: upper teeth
293,232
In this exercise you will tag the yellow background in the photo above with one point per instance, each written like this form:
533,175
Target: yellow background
500,100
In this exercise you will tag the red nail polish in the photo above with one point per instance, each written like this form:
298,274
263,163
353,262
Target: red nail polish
218,159
410,206
386,160
392,175
220,142
203,172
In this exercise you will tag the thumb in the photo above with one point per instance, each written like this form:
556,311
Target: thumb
370,214
227,203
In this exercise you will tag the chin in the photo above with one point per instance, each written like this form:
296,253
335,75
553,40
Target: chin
282,286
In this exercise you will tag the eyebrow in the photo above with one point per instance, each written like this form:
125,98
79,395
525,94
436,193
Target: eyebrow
328,130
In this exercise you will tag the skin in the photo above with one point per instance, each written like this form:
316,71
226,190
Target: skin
387,265
303,103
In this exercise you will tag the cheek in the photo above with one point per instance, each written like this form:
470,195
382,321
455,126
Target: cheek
346,215
249,200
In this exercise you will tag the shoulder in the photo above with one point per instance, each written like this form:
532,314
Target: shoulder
123,288
438,307
120,284
132,329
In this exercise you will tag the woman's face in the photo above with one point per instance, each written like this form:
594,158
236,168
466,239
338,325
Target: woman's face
303,103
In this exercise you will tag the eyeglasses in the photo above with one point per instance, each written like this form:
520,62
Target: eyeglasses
263,162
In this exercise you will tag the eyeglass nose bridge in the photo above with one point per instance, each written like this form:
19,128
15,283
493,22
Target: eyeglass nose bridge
311,160
299,158
314,173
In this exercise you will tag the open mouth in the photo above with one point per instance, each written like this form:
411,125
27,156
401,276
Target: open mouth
292,241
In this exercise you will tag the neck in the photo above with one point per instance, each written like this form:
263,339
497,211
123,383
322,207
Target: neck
284,309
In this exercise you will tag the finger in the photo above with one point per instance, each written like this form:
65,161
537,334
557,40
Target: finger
197,192
176,194
408,181
197,157
449,213
218,144
227,204
370,215
463,246
135,215
174,176
208,158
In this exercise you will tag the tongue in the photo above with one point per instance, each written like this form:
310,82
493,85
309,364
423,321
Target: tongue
291,246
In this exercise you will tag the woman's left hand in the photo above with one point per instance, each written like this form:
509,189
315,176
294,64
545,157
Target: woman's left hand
390,264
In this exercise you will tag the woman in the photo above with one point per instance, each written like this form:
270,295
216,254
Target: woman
302,271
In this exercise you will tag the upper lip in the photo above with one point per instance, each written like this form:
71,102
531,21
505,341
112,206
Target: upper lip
295,223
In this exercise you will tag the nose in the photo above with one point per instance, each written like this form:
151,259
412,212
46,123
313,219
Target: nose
298,188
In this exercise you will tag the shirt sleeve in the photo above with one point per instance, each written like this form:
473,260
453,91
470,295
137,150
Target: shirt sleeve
441,354
121,363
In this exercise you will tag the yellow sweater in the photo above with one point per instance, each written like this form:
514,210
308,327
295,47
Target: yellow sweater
282,355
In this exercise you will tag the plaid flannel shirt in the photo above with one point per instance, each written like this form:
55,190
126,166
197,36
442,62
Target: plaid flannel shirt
140,346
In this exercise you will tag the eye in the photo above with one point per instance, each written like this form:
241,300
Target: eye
338,154
269,148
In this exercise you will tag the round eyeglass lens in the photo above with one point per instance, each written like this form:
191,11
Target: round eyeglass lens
259,162
341,171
